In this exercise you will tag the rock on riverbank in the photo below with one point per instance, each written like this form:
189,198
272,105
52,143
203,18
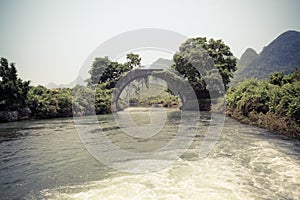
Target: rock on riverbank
11,116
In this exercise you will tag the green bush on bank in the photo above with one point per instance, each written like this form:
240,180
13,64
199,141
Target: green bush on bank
280,96
64,102
16,94
48,103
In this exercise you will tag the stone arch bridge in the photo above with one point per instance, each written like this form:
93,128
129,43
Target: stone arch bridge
176,84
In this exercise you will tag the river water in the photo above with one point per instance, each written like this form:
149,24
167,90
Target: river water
45,159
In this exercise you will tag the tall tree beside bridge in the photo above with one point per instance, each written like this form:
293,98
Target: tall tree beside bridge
197,53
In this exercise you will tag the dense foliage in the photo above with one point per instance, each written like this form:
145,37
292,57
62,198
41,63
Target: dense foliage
16,94
13,91
106,72
207,65
279,95
47,103
94,99
272,103
65,102
195,55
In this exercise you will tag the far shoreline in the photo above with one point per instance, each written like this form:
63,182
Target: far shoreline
280,124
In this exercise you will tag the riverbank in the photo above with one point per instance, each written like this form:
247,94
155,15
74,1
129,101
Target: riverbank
281,124
273,104
26,114
17,115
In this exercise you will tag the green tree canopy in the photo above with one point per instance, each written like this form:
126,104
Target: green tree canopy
133,61
200,53
278,78
13,91
280,95
106,71
48,103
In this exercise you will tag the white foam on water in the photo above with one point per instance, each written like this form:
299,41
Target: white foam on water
184,180
241,166
269,174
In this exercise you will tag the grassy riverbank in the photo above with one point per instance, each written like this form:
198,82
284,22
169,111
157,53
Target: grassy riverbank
281,124
273,104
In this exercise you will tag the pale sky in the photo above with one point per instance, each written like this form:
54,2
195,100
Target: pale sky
49,40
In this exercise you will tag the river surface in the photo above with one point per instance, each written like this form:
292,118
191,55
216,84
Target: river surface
45,159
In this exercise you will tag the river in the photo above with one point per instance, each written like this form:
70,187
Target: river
45,159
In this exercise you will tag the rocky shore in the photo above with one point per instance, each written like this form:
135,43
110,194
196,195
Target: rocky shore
11,116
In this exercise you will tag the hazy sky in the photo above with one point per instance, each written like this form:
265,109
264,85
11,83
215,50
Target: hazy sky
50,39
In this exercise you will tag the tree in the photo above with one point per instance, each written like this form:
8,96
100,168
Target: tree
276,78
105,71
200,53
49,103
133,61
97,70
13,91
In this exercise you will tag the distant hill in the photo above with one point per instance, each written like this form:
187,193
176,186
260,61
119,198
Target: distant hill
77,81
161,63
282,54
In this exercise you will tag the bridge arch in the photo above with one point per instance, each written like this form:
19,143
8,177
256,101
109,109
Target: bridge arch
176,84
